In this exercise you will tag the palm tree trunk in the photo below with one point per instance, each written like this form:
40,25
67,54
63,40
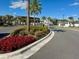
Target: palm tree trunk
34,20
28,15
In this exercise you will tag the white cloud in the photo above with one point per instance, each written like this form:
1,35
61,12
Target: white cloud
19,4
75,4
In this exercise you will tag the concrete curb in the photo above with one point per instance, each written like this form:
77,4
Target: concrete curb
36,48
29,50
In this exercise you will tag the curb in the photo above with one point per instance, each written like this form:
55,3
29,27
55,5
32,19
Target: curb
36,48
29,50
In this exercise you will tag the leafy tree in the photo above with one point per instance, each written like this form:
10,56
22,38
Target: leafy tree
78,19
1,21
50,19
71,20
9,19
43,18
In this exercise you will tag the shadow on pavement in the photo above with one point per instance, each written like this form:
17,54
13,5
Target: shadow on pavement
59,30
3,35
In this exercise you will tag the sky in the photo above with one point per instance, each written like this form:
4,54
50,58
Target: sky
52,8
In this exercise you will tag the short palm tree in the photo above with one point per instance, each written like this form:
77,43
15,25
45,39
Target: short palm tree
35,8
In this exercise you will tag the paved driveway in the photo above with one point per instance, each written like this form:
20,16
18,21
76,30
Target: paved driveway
65,45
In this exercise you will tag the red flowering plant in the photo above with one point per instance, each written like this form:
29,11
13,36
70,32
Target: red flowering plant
13,43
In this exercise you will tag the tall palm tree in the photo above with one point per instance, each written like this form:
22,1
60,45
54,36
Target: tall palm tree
28,15
35,8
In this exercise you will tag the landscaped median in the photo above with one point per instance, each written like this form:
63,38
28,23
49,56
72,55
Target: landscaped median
20,41
27,51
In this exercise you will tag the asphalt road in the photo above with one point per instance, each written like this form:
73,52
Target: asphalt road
64,45
9,29
4,31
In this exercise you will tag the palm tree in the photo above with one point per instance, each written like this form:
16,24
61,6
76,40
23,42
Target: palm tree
28,15
35,8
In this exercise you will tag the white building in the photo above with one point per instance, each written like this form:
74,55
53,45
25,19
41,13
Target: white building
47,23
67,24
76,24
63,24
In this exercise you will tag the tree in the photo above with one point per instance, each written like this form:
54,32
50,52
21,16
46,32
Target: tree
22,19
28,14
43,18
50,19
55,22
1,21
78,19
71,20
9,19
35,8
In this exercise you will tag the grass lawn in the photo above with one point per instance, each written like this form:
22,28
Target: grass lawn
65,28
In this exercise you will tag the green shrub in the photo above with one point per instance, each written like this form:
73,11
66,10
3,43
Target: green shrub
33,28
21,31
38,34
37,31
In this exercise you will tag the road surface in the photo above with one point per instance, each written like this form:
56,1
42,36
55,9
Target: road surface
4,31
64,45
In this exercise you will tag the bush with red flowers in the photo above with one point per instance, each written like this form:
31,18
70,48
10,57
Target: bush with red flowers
13,43
20,38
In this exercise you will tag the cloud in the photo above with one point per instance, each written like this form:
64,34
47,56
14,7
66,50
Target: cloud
18,4
75,4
